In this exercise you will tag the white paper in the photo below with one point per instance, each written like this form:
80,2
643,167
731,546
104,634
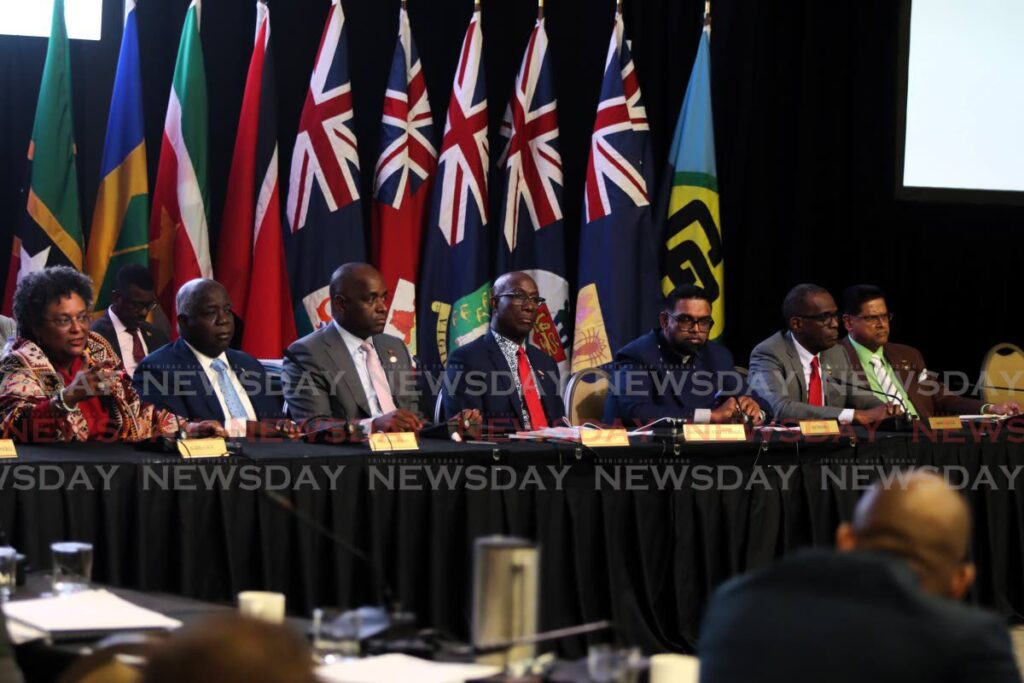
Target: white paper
93,610
402,668
20,633
991,417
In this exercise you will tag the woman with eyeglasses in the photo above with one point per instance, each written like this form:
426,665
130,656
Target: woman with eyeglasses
61,382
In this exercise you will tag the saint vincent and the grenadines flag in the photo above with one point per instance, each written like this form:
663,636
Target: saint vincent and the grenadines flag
50,233
179,247
250,256
402,183
618,242
693,239
323,208
532,233
453,306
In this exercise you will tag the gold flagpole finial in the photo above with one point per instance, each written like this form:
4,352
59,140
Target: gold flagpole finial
618,6
707,15
405,4
476,5
540,9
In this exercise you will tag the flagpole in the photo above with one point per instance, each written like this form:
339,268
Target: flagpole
405,4
540,9
618,6
707,16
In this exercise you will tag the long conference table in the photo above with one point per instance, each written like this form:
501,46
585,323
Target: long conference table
640,535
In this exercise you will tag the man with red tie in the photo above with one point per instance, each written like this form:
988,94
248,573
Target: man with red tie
512,384
124,323
801,374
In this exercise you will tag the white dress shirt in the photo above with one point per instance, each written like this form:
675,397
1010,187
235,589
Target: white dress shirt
355,349
126,340
846,416
234,427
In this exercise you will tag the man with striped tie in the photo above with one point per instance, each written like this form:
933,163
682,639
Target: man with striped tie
897,371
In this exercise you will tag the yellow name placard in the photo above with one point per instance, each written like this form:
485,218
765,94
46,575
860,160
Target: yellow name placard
393,441
203,448
7,449
599,438
948,422
819,427
709,432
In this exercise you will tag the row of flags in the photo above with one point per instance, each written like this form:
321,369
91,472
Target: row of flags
276,257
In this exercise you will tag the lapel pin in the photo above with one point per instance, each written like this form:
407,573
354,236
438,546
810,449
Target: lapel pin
392,359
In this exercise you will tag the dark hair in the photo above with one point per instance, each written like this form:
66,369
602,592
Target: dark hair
38,290
794,303
684,292
134,274
857,295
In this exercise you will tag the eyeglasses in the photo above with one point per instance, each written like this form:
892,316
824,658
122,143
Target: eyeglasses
689,322
63,322
522,298
823,318
874,319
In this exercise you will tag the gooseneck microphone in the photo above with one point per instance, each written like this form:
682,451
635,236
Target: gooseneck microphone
903,420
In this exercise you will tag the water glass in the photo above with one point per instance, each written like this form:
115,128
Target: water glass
72,566
335,634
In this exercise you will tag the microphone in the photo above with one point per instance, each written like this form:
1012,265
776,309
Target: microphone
903,420
542,637
721,396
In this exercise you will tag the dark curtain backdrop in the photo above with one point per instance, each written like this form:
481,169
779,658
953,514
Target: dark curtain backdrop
805,101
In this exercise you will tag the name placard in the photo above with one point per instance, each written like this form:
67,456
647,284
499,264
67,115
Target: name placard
819,427
600,438
203,448
710,432
946,422
7,449
393,441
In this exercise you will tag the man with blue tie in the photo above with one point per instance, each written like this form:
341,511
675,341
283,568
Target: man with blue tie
199,377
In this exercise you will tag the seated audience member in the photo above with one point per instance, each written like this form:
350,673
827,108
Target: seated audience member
674,371
350,369
801,374
199,377
895,370
231,649
61,382
124,324
885,608
512,384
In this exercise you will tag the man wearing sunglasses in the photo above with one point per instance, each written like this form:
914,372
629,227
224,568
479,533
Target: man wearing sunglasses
898,370
124,323
801,374
674,371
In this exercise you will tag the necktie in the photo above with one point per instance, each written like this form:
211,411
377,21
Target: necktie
377,377
533,405
235,408
814,395
138,350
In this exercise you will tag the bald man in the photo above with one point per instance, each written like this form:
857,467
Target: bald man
512,384
885,608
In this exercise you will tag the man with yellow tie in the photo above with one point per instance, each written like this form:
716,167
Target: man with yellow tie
896,372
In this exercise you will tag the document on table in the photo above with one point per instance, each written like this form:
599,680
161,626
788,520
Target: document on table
92,611
398,667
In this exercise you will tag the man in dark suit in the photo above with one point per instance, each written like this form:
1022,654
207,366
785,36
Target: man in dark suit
674,371
801,374
124,324
200,378
884,609
512,384
897,371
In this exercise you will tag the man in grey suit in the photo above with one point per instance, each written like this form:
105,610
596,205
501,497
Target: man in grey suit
348,369
801,374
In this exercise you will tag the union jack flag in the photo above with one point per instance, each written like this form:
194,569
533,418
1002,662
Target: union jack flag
323,206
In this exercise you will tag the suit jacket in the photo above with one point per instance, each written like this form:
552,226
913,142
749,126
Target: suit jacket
172,378
777,382
153,337
929,396
475,377
321,380
847,618
649,381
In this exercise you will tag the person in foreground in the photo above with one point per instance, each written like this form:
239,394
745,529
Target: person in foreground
801,374
229,648
512,384
885,608
896,369
199,377
61,382
674,371
124,324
